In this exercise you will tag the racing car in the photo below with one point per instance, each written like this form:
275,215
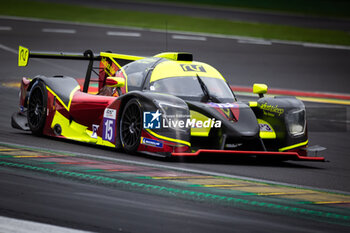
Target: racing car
166,105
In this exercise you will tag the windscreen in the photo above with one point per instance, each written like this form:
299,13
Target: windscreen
190,87
136,72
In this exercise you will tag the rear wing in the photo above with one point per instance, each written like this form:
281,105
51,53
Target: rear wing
110,63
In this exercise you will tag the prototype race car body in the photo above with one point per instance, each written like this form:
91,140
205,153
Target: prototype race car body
165,105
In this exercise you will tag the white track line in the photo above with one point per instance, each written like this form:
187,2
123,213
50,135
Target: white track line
219,36
24,226
8,49
183,37
315,45
255,41
56,30
126,34
5,28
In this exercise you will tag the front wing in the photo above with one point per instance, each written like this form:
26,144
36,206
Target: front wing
292,155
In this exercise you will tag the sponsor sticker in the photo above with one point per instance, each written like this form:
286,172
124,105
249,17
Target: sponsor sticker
151,120
223,105
193,68
151,142
94,131
271,110
154,120
110,113
108,67
265,127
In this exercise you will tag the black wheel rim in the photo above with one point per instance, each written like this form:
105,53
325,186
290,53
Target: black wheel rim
35,108
131,126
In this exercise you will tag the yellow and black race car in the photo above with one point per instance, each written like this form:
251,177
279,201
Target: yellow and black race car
165,105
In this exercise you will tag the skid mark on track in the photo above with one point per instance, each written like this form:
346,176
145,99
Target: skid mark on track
240,193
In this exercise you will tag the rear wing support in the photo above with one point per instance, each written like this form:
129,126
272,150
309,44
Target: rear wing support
118,59
88,55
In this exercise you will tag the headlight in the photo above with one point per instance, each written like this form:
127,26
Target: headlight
171,110
296,122
174,116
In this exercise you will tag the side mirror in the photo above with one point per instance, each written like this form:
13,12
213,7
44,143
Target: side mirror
115,82
260,89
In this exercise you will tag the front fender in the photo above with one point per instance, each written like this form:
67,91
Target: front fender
172,109
276,112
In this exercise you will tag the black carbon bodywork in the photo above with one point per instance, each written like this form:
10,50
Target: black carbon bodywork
241,133
275,110
139,117
151,102
62,86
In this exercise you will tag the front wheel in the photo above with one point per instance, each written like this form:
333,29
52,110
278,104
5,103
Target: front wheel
36,113
131,126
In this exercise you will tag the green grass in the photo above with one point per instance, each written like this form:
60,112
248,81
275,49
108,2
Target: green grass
332,8
74,13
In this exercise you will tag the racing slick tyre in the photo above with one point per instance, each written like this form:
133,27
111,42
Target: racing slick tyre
131,126
36,113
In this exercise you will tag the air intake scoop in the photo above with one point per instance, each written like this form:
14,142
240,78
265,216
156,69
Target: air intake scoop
176,56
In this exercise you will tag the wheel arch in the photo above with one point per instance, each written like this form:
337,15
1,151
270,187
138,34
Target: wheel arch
150,102
124,99
37,127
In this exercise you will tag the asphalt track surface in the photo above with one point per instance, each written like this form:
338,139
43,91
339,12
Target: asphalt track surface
85,205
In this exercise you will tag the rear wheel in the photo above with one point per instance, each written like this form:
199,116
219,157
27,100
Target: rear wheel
131,126
36,113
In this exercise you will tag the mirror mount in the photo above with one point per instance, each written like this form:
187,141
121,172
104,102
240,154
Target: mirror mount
115,82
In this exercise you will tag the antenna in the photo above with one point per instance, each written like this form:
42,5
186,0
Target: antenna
166,35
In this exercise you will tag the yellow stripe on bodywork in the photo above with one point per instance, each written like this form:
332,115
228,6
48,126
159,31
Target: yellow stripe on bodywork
167,138
120,56
266,134
100,141
70,96
200,132
71,130
75,131
294,146
114,56
253,104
